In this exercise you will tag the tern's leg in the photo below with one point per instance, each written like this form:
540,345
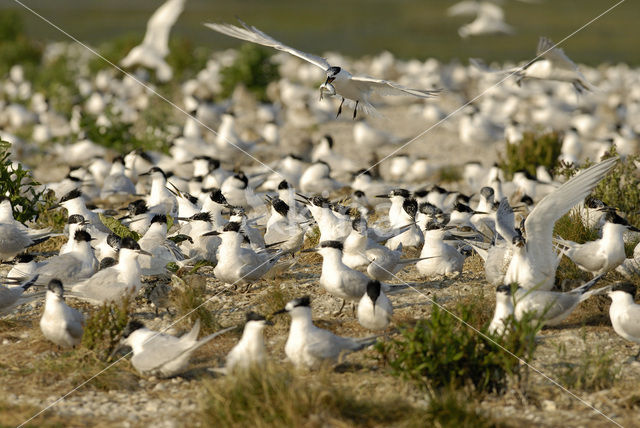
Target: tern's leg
340,108
341,307
637,357
355,110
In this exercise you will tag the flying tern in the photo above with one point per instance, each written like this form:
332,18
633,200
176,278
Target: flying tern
356,90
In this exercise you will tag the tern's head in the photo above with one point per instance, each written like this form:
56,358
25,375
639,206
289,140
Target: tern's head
129,244
74,194
622,288
283,185
295,305
330,246
76,219
155,173
332,73
373,290
359,225
401,193
256,321
612,217
114,241
55,286
132,326
410,206
137,207
82,236
232,226
202,216
594,203
280,206
504,290
159,218
518,241
23,258
217,197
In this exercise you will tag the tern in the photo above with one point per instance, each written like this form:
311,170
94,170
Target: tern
604,254
78,264
155,46
356,90
160,354
10,297
439,258
60,323
308,345
534,261
250,351
624,312
374,309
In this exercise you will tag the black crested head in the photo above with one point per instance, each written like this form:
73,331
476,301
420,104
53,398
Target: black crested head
55,285
283,185
526,173
487,192
82,235
75,193
362,172
137,207
159,218
232,226
118,159
114,241
75,219
462,208
463,199
420,193
358,194
506,289
280,206
400,192
359,224
158,170
191,198
132,326
129,244
319,201
333,71
429,209
203,216
626,287
410,206
328,137
243,178
24,258
438,189
213,163
254,316
301,301
373,290
432,225
525,199
591,202
217,196
331,244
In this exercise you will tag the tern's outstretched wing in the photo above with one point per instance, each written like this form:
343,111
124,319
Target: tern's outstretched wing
253,35
539,224
159,26
548,50
387,87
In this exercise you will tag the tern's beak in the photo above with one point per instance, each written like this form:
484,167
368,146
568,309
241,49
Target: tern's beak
309,250
382,196
53,207
633,228
212,233
281,311
144,173
143,252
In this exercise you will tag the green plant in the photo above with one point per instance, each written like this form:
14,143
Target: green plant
593,370
17,184
103,330
449,174
253,69
571,228
451,408
15,46
442,352
188,297
533,150
118,228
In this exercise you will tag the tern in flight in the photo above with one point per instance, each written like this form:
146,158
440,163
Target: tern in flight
353,89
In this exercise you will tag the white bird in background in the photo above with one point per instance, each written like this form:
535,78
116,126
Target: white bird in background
250,351
624,312
10,297
155,46
161,354
60,323
353,89
489,18
308,345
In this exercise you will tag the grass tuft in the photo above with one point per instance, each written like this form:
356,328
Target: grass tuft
533,150
103,330
188,297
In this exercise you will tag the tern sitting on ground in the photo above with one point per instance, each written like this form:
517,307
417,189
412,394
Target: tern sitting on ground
353,89
250,351
60,323
308,345
374,309
161,354
624,312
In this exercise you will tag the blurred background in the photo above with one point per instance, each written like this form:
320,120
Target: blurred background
407,28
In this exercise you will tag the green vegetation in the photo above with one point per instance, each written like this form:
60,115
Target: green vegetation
118,228
15,46
121,137
454,409
103,330
17,184
442,352
532,151
188,297
593,370
253,69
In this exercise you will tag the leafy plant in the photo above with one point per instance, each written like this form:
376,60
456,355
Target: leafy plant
253,69
442,352
17,184
533,150
118,228
103,330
